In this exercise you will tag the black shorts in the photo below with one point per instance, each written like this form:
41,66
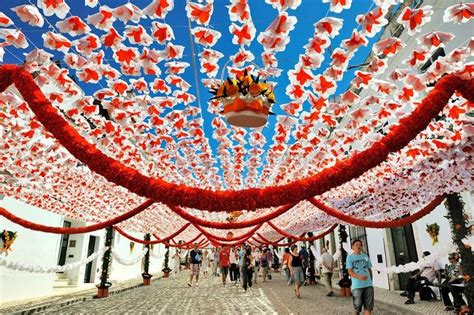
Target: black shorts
225,270
365,297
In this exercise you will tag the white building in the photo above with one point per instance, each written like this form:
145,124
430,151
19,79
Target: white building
390,247
49,250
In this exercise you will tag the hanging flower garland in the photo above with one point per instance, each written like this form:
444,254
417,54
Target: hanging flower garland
13,265
77,230
250,199
158,241
377,224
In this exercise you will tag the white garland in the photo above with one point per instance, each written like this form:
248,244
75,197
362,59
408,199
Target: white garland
412,266
430,260
127,261
14,265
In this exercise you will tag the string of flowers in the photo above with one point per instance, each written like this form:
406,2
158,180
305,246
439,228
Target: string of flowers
251,198
128,261
13,265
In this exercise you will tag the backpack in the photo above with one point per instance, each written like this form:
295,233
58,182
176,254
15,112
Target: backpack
427,294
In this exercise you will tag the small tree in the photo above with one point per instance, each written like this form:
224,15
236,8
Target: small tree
166,267
104,284
146,263
460,231
345,282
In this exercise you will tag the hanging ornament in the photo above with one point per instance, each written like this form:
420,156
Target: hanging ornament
8,238
246,99
433,231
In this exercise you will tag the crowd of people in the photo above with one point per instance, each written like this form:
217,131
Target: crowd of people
246,264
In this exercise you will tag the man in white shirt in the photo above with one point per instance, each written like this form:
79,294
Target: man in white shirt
427,273
327,264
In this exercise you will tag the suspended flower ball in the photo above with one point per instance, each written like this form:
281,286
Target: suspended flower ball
246,100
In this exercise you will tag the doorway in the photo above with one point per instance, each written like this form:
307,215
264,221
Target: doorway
64,243
404,248
90,251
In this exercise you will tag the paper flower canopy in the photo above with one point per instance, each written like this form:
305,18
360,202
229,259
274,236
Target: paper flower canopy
246,99
119,119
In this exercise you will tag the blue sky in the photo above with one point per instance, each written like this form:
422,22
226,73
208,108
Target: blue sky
309,12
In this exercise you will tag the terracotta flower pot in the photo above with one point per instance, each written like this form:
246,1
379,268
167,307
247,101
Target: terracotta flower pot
102,293
146,281
166,274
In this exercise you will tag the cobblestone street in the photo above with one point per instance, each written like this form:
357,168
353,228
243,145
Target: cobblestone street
173,296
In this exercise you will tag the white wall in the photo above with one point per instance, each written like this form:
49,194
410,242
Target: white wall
376,246
30,247
122,246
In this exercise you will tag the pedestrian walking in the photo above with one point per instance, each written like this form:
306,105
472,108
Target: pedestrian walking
269,256
285,263
264,264
247,268
305,261
224,262
213,260
176,261
195,257
205,263
359,266
234,269
257,255
295,264
327,264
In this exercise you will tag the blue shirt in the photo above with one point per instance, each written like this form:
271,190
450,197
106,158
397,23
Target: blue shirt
241,257
360,265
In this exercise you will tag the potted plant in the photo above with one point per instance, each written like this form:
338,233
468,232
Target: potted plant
146,278
166,269
104,285
345,282
146,264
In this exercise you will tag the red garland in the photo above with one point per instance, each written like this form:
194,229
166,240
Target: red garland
251,198
158,241
238,243
190,242
377,224
230,225
184,227
303,239
226,239
186,245
265,241
76,230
